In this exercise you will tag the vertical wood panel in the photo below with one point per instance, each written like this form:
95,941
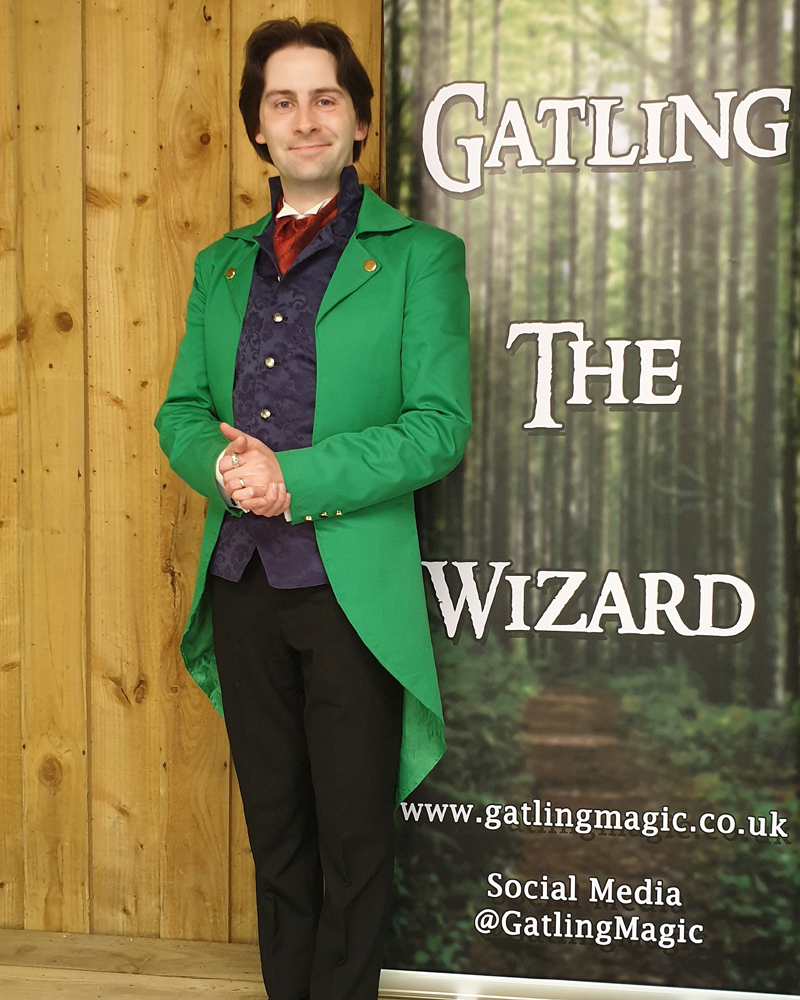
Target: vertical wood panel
52,476
11,886
193,210
122,253
163,178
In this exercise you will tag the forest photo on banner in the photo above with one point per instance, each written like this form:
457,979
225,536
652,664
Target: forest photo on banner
612,570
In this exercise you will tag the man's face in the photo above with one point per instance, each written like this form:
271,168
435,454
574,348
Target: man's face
307,120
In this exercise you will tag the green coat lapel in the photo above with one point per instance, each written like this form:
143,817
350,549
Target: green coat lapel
375,216
243,262
242,259
228,309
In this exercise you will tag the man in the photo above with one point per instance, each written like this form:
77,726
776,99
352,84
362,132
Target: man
322,379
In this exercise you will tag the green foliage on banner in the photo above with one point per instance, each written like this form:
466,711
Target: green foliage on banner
445,864
743,761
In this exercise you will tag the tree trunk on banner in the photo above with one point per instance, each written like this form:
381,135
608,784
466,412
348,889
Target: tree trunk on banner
716,673
731,527
394,104
792,389
632,534
692,516
764,573
472,470
570,543
596,443
487,389
549,480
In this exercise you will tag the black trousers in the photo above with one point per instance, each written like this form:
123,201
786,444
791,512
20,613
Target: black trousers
314,723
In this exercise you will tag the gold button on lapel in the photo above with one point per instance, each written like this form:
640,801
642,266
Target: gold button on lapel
370,265
338,513
324,513
230,272
308,517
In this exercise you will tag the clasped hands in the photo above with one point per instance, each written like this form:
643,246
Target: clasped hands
264,491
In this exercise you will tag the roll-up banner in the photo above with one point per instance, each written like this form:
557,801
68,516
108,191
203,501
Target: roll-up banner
612,570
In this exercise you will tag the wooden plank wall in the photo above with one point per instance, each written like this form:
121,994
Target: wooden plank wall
122,154
11,881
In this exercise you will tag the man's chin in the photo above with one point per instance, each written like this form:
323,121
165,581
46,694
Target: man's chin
317,174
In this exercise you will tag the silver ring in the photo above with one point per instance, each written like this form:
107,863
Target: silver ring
235,460
241,482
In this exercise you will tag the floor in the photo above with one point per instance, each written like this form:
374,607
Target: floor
35,965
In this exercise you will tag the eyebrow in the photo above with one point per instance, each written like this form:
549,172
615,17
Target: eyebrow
292,93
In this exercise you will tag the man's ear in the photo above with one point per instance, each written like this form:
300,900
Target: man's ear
260,139
361,132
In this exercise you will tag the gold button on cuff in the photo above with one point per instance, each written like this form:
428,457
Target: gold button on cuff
338,513
277,317
324,513
269,362
230,272
266,414
370,265
308,517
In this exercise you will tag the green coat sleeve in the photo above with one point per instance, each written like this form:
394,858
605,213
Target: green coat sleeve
353,470
187,422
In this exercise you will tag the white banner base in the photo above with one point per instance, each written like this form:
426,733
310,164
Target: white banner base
398,984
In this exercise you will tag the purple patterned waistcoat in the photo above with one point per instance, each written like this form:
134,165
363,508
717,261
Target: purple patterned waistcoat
274,388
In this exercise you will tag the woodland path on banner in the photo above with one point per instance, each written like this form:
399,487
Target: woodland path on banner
585,755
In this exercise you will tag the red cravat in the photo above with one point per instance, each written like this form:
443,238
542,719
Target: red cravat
293,233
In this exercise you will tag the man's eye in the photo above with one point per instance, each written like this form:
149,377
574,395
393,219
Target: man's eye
326,101
282,104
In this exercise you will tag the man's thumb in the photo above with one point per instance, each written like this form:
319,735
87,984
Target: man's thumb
239,438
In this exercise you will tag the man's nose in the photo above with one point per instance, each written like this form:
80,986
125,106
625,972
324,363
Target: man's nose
306,119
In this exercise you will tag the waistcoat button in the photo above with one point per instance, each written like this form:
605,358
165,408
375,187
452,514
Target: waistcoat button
266,414
269,362
277,317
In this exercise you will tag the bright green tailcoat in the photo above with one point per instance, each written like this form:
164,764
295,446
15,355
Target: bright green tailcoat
392,414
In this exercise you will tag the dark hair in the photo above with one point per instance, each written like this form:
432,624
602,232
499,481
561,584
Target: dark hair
271,36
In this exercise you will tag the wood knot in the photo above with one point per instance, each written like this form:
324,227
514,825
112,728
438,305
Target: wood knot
24,328
64,322
50,771
98,198
140,691
205,139
140,199
246,199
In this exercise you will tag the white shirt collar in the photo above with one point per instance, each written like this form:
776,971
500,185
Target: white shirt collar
288,210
